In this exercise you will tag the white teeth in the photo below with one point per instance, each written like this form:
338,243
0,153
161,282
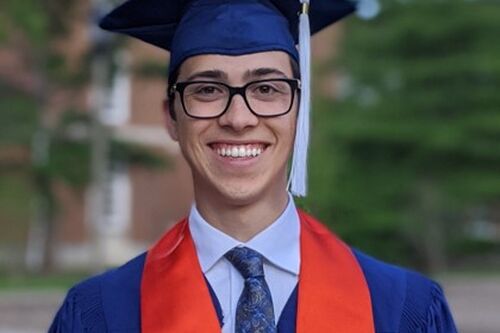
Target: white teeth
239,151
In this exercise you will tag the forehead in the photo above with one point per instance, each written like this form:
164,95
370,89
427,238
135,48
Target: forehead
237,67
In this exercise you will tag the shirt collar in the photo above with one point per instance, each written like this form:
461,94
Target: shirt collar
279,243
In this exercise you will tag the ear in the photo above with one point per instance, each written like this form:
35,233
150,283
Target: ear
170,123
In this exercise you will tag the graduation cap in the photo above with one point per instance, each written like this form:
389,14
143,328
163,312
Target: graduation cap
235,27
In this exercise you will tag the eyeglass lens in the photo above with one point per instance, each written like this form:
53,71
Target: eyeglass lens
264,98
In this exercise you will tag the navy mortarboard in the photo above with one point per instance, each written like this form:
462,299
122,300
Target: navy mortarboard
235,27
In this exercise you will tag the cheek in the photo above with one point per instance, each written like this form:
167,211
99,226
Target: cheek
284,131
289,137
172,131
186,138
289,126
190,133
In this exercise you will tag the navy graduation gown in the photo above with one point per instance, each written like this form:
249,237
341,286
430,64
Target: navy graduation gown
402,302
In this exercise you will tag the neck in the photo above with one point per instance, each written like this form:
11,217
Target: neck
242,221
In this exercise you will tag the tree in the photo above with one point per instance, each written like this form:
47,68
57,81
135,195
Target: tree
412,142
32,122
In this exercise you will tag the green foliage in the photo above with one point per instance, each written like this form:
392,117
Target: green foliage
70,162
151,69
16,197
414,135
468,247
138,155
70,158
39,21
11,282
18,117
27,16
57,68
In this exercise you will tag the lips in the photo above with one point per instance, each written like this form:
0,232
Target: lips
248,150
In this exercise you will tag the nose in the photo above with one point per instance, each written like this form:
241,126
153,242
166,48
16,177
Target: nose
238,116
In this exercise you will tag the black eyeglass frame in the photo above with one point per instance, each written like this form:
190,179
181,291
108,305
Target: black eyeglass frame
294,84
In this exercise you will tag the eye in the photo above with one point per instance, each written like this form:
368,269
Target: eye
205,91
208,90
265,89
269,90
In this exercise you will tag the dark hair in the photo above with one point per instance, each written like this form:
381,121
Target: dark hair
172,79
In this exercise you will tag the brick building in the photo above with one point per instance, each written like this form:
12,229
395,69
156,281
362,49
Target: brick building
120,214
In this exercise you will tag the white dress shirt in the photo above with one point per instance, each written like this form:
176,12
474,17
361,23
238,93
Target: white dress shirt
279,244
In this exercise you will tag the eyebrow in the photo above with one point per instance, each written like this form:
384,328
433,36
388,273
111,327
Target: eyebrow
218,74
208,74
264,71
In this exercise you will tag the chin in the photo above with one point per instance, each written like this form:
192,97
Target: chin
241,194
239,190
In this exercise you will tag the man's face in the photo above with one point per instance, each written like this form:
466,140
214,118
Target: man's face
206,143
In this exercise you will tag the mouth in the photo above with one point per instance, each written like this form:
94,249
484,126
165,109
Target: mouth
238,151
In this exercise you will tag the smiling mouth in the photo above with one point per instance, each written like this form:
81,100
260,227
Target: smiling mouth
238,150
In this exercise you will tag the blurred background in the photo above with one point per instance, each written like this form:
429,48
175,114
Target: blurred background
405,159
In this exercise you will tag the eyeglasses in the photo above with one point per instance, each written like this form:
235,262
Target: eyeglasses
211,99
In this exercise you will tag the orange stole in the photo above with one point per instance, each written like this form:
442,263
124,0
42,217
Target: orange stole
333,295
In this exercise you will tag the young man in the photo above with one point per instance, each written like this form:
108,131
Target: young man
245,260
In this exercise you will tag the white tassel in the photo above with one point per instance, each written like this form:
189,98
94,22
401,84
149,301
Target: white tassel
298,173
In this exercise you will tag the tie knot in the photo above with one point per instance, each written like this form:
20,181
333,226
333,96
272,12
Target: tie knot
247,261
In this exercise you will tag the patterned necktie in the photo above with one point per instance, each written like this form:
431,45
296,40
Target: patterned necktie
254,312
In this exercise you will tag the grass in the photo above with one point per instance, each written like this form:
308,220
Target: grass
39,282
